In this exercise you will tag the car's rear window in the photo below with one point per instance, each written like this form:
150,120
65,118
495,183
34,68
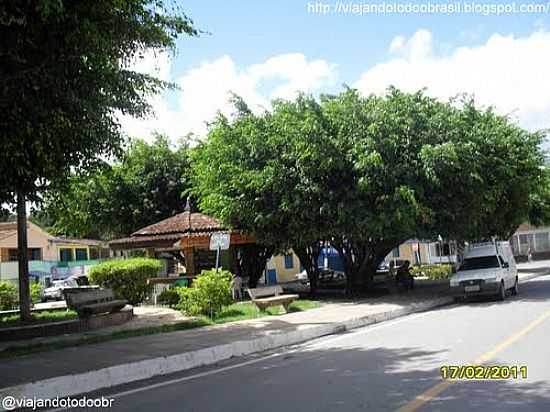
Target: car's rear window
483,262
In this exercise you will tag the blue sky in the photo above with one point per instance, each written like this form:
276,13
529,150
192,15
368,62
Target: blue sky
266,49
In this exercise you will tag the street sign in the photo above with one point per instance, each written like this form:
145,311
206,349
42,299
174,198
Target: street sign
219,241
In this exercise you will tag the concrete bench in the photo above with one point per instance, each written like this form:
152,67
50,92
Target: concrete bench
271,296
92,302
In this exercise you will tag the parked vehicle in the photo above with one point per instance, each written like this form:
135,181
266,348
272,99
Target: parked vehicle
55,291
302,277
488,269
329,278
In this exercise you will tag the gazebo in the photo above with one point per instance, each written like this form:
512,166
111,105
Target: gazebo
186,237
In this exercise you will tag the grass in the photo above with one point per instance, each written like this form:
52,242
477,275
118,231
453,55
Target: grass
9,321
243,311
231,313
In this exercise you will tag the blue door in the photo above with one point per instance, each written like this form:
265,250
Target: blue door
271,276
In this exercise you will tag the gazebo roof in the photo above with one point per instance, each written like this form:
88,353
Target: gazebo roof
182,223
191,228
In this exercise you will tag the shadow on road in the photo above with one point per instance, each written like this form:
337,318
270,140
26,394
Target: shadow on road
336,379
536,290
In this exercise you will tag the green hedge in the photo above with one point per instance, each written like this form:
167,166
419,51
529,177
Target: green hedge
9,296
36,292
127,277
433,271
209,293
169,297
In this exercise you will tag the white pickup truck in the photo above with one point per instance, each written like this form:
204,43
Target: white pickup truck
488,269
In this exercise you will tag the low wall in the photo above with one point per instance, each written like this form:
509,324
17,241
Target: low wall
67,326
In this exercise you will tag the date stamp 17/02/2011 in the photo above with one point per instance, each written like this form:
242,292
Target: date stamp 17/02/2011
483,372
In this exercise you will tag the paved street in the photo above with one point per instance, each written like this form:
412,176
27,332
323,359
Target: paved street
379,368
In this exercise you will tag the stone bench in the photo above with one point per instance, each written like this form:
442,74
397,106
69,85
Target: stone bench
271,296
92,302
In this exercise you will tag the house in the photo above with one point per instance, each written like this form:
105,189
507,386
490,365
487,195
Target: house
282,268
50,257
425,252
533,239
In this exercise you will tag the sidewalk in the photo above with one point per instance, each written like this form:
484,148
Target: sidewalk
87,368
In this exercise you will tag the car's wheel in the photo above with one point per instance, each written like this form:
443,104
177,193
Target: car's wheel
515,289
501,295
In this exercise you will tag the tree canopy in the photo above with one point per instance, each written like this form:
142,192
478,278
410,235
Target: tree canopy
147,185
367,173
65,77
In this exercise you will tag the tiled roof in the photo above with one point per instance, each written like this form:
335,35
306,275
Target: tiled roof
171,230
181,223
87,242
525,226
144,239
8,226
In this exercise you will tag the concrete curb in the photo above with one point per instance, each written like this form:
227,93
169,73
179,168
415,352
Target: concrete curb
69,385
533,275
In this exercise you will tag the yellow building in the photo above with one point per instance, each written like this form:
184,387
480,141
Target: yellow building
423,252
282,268
49,256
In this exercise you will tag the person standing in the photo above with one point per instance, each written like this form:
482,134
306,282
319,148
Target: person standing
237,287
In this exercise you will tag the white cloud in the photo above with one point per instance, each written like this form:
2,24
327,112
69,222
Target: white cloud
397,44
507,72
205,90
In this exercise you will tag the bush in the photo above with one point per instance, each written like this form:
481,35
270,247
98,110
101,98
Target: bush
209,293
36,292
169,297
8,296
127,278
432,271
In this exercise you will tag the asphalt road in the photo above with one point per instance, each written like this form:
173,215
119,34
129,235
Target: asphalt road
387,367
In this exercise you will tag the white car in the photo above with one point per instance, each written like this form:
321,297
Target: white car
302,277
55,292
488,269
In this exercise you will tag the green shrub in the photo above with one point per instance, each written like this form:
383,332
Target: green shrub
169,297
127,277
36,292
208,294
432,271
8,296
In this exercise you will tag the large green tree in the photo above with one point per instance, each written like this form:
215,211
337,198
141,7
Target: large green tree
367,173
65,77
144,187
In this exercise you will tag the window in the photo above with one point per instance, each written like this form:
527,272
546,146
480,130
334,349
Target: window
447,248
289,262
81,254
395,252
483,262
525,243
94,253
65,255
12,255
541,242
35,254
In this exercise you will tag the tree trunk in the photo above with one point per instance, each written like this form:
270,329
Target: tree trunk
361,259
251,261
24,292
308,256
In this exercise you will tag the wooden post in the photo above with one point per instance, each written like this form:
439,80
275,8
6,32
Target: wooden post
24,291
190,261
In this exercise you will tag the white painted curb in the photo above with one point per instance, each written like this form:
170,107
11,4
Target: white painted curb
68,385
